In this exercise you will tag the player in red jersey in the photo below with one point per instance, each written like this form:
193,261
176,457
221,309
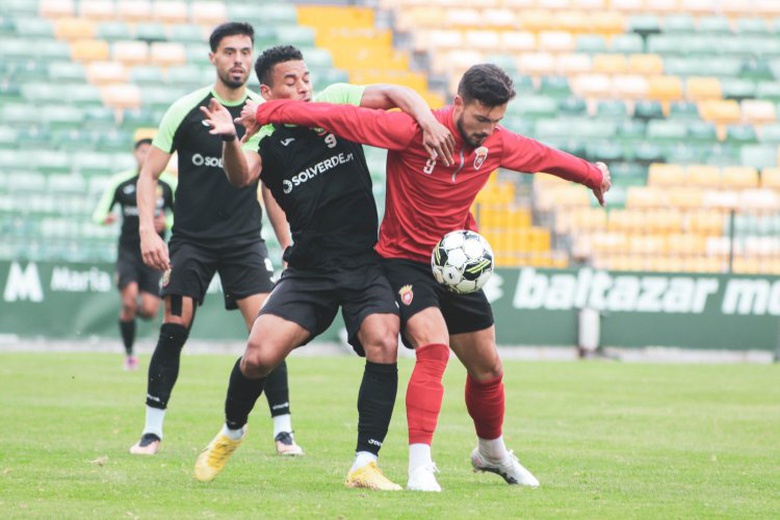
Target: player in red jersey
425,200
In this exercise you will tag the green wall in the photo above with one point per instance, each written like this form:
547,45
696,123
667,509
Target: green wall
532,307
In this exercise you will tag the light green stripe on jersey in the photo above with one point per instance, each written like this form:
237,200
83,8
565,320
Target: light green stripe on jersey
106,200
183,106
338,93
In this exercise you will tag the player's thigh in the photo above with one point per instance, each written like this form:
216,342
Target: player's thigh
271,340
192,268
370,311
310,302
250,307
245,271
150,305
478,353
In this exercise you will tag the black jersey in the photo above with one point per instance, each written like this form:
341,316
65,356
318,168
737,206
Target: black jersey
323,185
208,208
122,190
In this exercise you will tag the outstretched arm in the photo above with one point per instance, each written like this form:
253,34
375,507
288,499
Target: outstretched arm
390,130
153,249
524,154
437,139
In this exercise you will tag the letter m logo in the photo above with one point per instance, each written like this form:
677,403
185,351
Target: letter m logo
23,284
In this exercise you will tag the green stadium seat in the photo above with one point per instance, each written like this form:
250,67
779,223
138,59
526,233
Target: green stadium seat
572,106
665,44
53,161
160,97
625,172
768,90
573,146
8,137
702,131
10,92
253,13
683,110
18,114
680,23
534,107
317,58
770,134
647,110
141,117
42,92
7,26
505,61
66,72
755,69
61,115
329,76
99,117
186,33
113,31
31,181
94,163
51,50
591,44
151,32
758,156
613,109
631,130
296,35
738,88
523,84
684,153
604,151
741,134
82,95
68,183
20,7
116,140
667,130
198,54
34,27
717,25
753,26
72,139
644,24
187,76
627,44
147,75
721,154
646,152
555,86
37,137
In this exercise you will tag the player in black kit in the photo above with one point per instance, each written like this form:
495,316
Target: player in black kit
323,185
216,229
133,277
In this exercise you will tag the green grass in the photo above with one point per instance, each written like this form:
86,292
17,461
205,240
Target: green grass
607,440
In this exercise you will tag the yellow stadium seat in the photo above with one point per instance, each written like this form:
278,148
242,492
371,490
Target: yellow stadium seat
685,197
498,18
418,17
609,23
56,8
724,111
592,5
770,178
575,22
707,222
665,88
737,8
438,39
73,28
768,8
664,220
664,7
610,64
90,50
665,174
646,64
703,88
629,86
705,176
537,20
97,9
685,244
646,197
337,16
700,7
628,220
463,18
739,177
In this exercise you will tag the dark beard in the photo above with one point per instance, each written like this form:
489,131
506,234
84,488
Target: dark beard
459,126
230,83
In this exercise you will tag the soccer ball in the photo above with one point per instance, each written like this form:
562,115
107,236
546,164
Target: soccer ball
462,261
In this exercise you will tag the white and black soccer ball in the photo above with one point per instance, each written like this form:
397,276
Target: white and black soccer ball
462,261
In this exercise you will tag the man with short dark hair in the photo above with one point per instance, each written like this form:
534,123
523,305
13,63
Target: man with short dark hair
324,187
425,199
216,230
133,277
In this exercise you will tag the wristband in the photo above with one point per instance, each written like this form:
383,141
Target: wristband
228,137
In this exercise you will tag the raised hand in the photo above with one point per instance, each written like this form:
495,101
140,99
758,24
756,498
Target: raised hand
247,120
218,118
438,142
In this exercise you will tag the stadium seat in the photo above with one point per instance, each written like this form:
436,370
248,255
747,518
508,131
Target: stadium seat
56,8
759,156
107,72
173,12
167,54
90,50
134,10
97,9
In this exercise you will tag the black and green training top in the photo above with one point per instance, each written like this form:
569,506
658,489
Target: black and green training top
208,208
122,190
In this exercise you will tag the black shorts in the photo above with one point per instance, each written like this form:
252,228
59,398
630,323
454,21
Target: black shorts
244,270
415,289
312,299
130,267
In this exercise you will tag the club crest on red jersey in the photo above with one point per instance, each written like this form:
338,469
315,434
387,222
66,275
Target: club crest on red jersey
406,294
481,154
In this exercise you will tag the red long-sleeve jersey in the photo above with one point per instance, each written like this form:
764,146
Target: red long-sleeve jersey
425,199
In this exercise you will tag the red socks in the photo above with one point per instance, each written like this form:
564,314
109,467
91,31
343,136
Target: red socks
485,403
425,392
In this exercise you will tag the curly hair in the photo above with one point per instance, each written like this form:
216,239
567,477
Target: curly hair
265,63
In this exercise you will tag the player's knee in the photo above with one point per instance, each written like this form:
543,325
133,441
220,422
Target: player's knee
382,348
257,361
129,308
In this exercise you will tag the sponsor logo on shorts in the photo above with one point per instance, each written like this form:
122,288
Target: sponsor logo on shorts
406,294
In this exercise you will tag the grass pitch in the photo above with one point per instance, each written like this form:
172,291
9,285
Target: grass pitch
606,440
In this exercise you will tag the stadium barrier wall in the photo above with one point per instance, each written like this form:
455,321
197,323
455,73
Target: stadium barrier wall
532,307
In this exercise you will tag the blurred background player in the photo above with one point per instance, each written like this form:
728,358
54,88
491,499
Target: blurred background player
133,277
217,229
440,194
